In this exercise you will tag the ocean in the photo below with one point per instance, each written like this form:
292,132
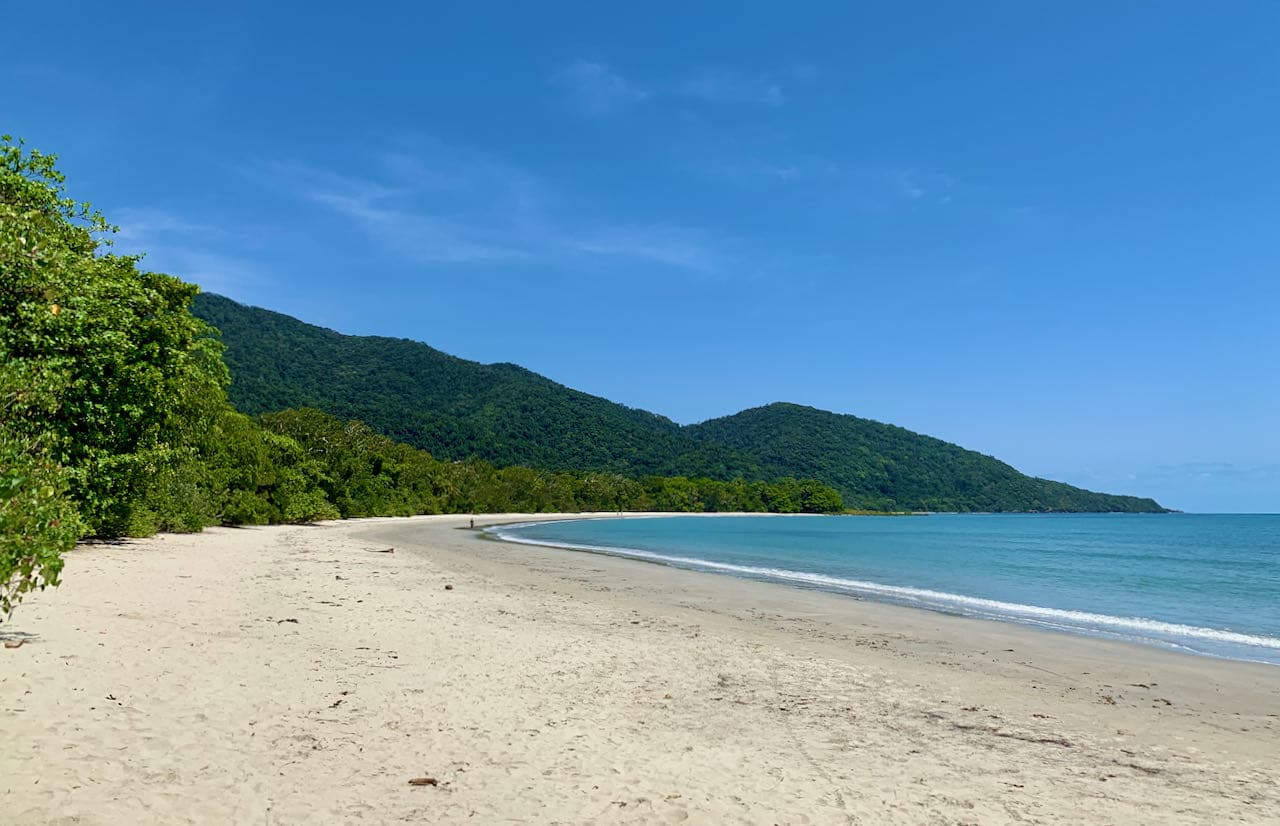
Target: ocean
1208,584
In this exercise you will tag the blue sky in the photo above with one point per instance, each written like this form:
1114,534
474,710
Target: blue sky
1046,231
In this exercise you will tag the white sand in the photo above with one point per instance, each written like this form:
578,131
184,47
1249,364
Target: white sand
165,683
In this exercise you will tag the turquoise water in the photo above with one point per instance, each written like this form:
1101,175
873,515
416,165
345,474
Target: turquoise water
1203,583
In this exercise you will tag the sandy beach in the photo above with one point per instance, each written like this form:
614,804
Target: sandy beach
303,674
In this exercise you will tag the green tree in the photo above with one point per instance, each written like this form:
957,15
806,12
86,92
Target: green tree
138,376
38,522
816,497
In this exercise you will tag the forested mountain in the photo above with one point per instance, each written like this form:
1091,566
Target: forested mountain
880,466
451,407
504,414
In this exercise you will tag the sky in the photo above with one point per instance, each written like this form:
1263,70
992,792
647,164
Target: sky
1046,231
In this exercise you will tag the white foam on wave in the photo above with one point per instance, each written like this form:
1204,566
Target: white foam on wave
1035,614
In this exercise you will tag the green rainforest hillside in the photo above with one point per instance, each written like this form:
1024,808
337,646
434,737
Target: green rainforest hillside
507,415
453,408
879,466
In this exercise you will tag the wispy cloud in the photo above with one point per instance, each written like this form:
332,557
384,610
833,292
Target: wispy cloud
673,246
435,204
720,86
136,224
737,162
191,250
393,214
596,88
826,180
922,186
